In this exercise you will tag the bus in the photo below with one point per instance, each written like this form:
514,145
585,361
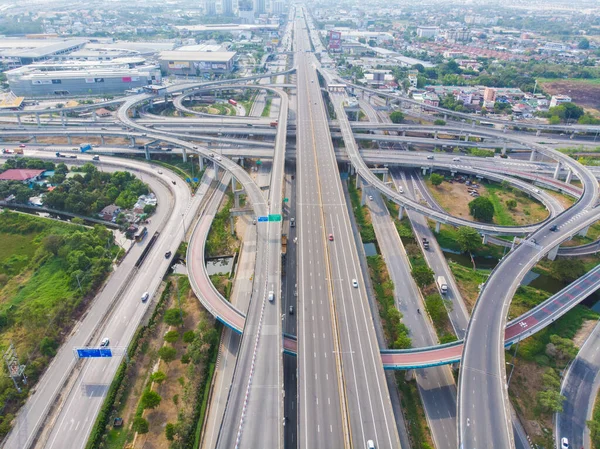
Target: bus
140,234
232,102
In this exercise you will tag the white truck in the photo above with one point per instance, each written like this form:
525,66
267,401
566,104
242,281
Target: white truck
442,285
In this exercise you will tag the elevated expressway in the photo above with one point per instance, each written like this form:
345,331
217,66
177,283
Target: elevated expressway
484,412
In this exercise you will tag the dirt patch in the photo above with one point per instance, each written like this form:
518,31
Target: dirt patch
565,200
525,384
584,332
584,93
455,198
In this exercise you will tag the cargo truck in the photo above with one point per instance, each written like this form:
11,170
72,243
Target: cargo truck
85,147
441,283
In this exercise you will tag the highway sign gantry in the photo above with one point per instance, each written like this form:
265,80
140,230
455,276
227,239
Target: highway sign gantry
263,218
274,217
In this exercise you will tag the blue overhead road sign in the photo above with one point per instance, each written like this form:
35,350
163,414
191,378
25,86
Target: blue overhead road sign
92,353
263,218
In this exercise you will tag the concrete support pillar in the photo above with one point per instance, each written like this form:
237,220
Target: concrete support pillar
467,137
132,140
63,119
553,252
410,375
232,224
445,117
538,132
503,152
233,184
37,119
216,169
485,239
236,199
532,156
363,197
569,176
385,177
401,210
584,231
102,140
94,116
557,170
19,119
34,139
437,227
424,171
69,140
435,135
147,151
241,162
357,184
184,154
472,123
201,163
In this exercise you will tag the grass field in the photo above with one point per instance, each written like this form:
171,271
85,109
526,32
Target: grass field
48,272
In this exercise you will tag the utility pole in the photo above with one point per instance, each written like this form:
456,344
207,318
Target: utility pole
14,369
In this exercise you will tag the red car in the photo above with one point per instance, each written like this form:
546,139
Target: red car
331,237
22,145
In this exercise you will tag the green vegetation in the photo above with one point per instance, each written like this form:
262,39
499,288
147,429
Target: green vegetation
220,241
414,413
267,110
396,117
436,179
48,271
396,333
468,239
439,122
367,233
438,309
448,238
223,284
594,424
482,209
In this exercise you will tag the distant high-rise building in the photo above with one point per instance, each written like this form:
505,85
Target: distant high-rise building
489,95
210,7
227,7
260,6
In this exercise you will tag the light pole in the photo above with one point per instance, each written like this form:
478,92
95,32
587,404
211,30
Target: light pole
183,223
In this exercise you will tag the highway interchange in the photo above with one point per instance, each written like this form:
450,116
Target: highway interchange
342,396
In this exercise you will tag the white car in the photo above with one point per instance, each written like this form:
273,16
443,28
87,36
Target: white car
564,443
354,283
370,444
105,342
371,197
271,296
145,296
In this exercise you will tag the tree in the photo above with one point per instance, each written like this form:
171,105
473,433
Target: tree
396,117
171,336
173,317
567,270
554,120
565,349
468,239
158,377
423,275
140,425
170,432
436,179
584,44
439,122
511,204
48,346
167,353
482,209
149,209
188,336
403,342
436,307
551,401
150,399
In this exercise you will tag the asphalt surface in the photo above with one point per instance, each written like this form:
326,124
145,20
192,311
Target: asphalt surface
115,313
365,398
580,387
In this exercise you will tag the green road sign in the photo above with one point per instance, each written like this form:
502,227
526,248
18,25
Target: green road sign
285,200
274,217
259,162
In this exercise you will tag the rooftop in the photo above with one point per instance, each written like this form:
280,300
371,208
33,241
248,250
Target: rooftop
211,56
20,174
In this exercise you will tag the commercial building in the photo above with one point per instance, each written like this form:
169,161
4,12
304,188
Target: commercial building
489,94
427,32
19,52
79,79
197,63
559,99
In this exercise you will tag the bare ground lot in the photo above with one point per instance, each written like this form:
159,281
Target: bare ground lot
585,93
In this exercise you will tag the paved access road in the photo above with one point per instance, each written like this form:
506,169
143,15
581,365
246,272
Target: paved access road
115,313
580,387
